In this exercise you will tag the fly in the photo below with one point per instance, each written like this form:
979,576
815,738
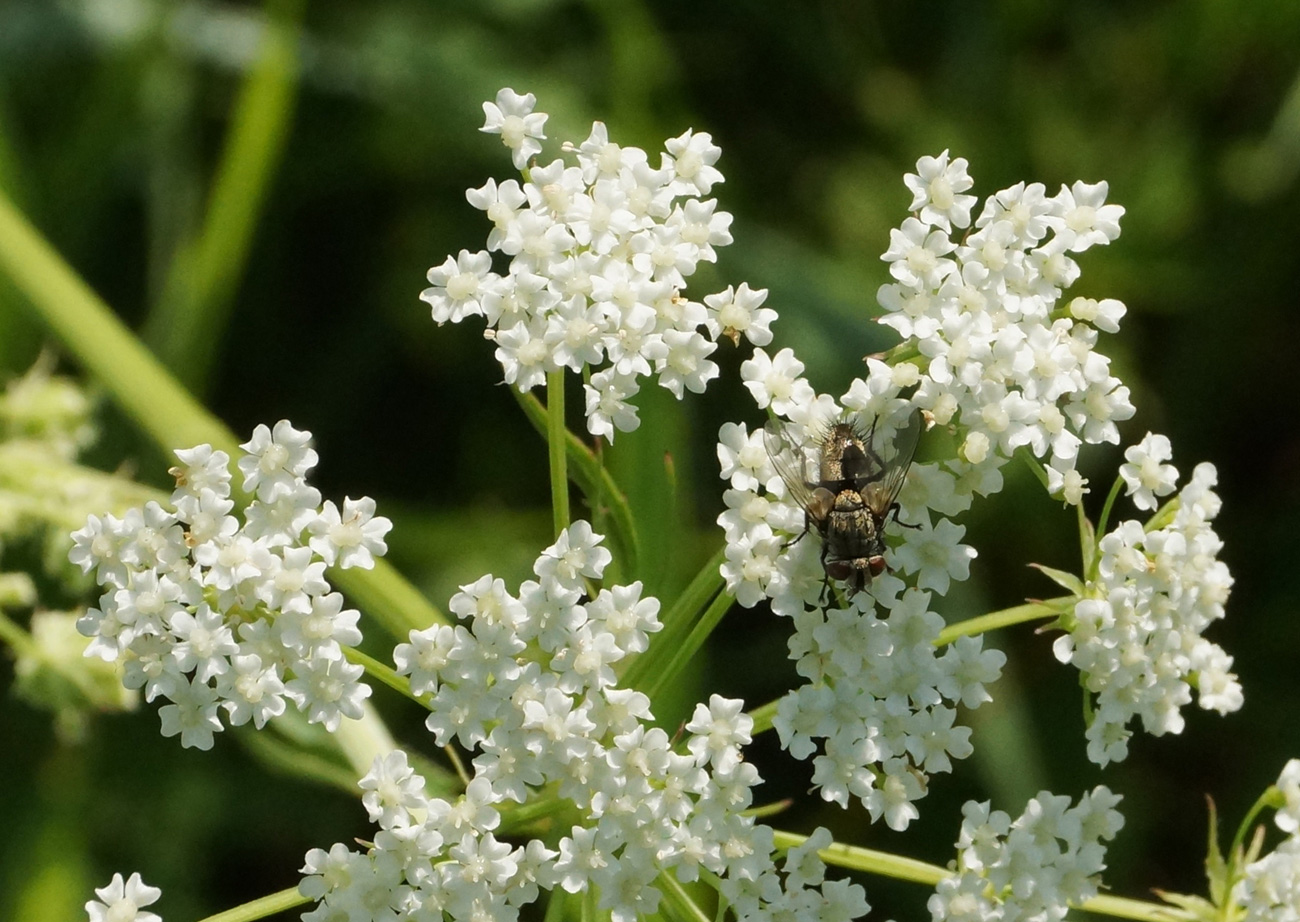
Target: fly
852,493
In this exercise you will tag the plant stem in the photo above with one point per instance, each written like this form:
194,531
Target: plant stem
1018,614
900,868
202,278
763,716
142,387
262,907
867,859
593,478
155,400
384,673
556,432
1104,521
680,904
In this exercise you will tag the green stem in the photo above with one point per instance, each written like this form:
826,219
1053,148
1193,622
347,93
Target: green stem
1018,614
153,398
384,673
138,382
866,859
389,598
680,904
1104,521
682,653
763,715
262,907
1124,908
1087,539
1235,851
1033,464
556,432
593,478
899,868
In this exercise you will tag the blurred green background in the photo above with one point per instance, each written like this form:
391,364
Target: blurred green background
339,165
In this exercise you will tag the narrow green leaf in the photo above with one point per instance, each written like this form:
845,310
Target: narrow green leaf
678,621
681,653
196,302
1067,581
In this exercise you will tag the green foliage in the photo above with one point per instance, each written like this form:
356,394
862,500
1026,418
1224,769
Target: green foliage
265,212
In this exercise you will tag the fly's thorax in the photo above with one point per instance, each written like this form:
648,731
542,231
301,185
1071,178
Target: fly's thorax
845,457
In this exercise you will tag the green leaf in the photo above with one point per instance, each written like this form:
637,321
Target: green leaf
196,302
1067,581
1190,907
1216,868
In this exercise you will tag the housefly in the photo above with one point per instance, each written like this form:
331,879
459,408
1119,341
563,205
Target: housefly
848,487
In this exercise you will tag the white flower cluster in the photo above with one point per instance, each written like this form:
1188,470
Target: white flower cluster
218,615
1136,635
879,694
528,682
599,254
1270,890
1033,868
1000,355
123,901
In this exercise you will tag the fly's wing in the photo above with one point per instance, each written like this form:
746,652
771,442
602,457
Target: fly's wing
896,456
782,441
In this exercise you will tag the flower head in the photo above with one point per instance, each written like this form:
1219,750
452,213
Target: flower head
222,616
600,255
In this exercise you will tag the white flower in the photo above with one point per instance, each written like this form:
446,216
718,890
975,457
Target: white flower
599,257
222,617
720,730
525,683
935,554
1270,891
1144,475
1288,815
123,901
1154,595
692,158
351,538
916,255
275,460
935,191
521,129
738,312
607,406
1034,867
776,382
1086,215
459,286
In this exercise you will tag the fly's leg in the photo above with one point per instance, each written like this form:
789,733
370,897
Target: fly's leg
826,579
893,511
807,524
